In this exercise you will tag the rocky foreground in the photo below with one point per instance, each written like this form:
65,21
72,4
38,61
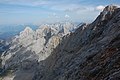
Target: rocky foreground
92,52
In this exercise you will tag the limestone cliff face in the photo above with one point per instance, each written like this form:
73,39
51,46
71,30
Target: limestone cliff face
30,47
90,53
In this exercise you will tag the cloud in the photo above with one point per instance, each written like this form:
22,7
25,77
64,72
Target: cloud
55,5
118,6
54,14
62,5
100,7
73,8
26,2
51,10
67,16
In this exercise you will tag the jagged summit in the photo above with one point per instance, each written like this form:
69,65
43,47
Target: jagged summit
38,44
109,11
27,28
110,7
106,15
26,31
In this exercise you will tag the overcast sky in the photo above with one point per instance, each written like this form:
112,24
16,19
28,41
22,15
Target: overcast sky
42,11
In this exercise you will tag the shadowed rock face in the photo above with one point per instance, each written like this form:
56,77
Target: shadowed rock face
92,52
1,46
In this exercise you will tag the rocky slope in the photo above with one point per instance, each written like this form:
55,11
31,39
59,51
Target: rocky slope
30,47
92,52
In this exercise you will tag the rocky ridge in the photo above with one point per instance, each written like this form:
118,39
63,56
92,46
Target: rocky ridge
30,47
92,52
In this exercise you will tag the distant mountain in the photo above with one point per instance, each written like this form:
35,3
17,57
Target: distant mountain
8,31
34,45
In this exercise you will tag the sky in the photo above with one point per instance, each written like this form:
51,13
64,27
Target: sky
50,11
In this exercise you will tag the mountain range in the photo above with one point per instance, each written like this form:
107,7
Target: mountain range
66,51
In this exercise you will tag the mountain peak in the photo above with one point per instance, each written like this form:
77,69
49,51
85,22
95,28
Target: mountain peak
107,14
28,29
110,7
